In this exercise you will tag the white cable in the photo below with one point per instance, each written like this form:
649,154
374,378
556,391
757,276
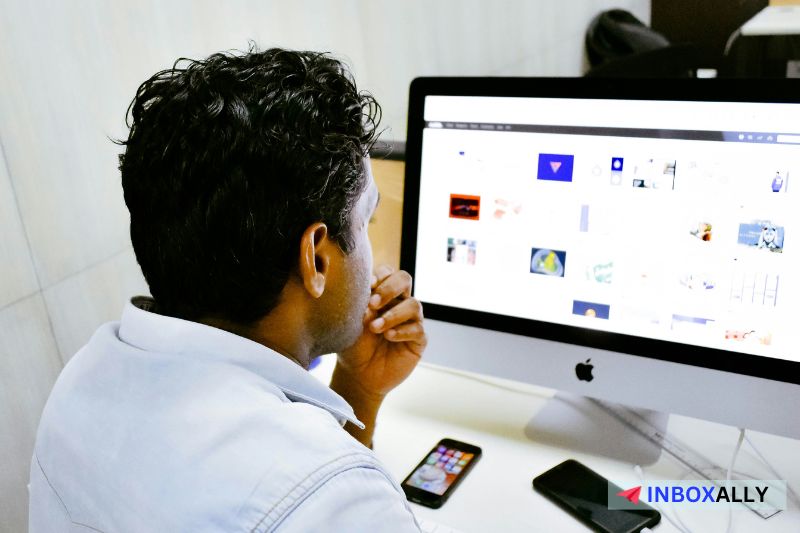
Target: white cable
486,381
679,520
728,476
772,470
682,527
731,39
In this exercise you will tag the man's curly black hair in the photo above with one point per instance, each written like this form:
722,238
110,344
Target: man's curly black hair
228,161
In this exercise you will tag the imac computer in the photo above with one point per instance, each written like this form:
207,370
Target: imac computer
630,241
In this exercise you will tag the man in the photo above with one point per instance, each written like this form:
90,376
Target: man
250,192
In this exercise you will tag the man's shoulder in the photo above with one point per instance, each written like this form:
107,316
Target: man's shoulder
124,441
305,448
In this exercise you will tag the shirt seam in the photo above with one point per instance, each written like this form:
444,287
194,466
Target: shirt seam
60,500
322,405
308,485
327,479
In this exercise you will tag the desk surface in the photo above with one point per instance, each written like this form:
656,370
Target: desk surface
497,495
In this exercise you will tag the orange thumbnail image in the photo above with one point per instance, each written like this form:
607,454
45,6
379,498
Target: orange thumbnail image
464,206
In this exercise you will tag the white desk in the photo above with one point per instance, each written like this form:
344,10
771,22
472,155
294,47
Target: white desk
497,495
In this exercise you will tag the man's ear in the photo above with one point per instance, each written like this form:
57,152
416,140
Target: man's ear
315,258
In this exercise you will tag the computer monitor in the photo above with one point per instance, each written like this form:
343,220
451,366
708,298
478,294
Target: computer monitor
634,241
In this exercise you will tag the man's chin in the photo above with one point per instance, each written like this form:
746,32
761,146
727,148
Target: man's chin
349,339
342,340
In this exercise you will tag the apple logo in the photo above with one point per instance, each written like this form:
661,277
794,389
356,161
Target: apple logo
584,371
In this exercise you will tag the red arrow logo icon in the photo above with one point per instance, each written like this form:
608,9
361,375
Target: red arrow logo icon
632,495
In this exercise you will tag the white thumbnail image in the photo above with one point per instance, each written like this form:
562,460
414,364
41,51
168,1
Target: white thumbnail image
471,158
505,250
555,216
603,214
765,230
508,157
512,247
706,224
761,331
614,212
643,318
700,289
592,259
644,223
702,330
759,178
654,173
780,180
507,201
758,284
760,169
593,166
707,177
461,251
697,281
506,207
644,279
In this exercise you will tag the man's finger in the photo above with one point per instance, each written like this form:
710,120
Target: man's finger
369,316
413,332
396,285
381,273
409,310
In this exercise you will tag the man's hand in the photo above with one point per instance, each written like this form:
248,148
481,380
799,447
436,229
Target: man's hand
393,338
387,351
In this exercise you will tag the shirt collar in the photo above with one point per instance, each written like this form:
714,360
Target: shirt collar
147,330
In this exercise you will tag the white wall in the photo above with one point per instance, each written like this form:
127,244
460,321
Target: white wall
68,70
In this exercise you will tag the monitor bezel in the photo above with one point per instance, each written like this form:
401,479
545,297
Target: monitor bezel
708,90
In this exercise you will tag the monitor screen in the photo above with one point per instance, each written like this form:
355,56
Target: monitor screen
623,223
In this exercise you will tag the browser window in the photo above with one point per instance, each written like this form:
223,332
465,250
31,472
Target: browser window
652,219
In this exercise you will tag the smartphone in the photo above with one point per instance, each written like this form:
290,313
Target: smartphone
439,473
583,493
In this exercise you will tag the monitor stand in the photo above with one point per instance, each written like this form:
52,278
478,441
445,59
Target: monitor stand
590,426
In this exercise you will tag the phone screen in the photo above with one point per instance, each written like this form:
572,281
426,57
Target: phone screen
584,493
440,471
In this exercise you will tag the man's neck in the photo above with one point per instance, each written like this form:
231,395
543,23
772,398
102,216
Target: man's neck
271,331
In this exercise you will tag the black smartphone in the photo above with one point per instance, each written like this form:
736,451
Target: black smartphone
439,473
584,493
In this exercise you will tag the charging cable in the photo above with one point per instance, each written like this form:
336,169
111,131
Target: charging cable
773,471
728,476
498,383
677,523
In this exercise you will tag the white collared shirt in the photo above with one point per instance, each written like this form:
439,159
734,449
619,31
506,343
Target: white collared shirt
160,424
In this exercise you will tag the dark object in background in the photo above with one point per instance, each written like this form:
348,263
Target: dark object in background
617,34
674,61
619,45
762,56
707,24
